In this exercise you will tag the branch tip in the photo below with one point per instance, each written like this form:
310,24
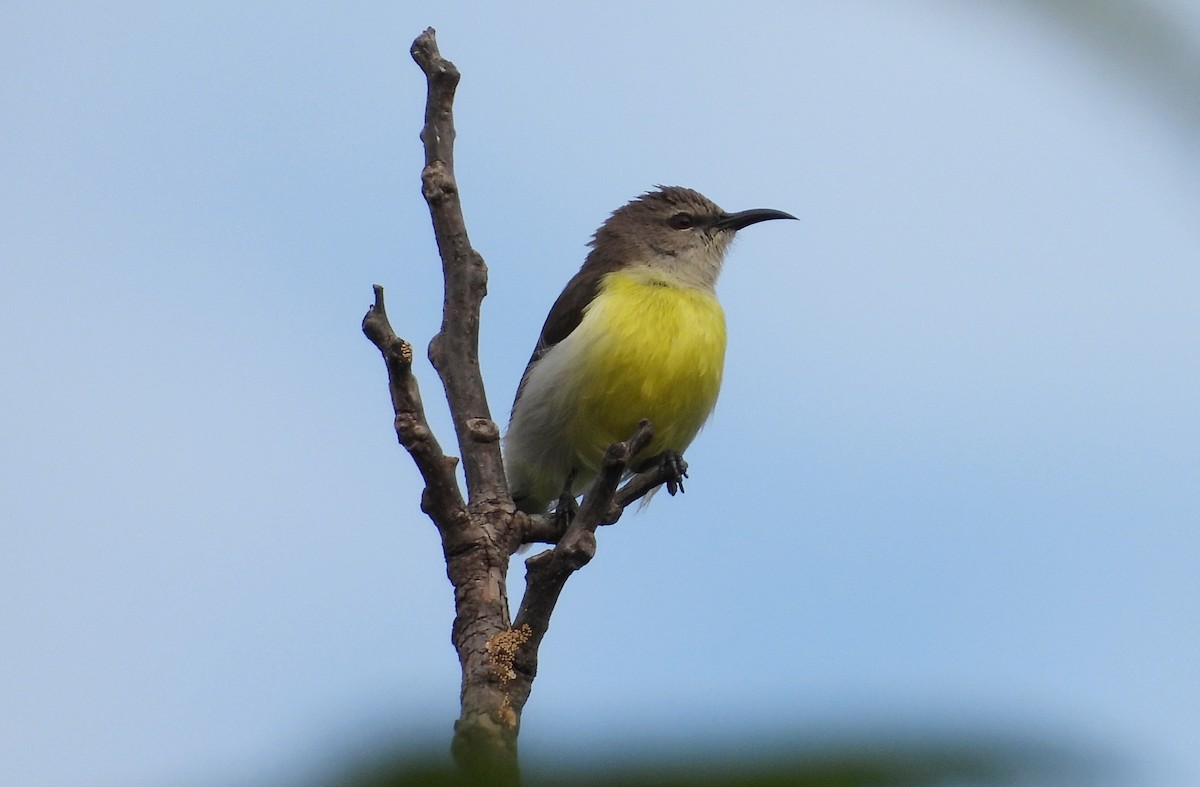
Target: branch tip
641,438
424,47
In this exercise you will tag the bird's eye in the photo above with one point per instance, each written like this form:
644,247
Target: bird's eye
681,221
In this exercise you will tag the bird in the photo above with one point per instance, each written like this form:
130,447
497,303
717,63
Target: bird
637,333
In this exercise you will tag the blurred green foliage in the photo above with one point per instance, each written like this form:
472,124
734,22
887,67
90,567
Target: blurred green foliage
978,764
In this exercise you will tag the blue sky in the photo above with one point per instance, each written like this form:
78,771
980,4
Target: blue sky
951,483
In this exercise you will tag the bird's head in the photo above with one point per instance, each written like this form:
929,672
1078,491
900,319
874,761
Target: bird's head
674,230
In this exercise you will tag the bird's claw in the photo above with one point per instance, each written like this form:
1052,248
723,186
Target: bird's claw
564,512
674,471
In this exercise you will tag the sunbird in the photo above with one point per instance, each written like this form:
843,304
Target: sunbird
636,334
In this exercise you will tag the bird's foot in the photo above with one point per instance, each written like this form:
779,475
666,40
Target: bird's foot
674,470
567,506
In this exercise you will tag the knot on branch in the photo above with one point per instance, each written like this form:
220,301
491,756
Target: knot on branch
483,430
437,185
579,551
443,351
411,427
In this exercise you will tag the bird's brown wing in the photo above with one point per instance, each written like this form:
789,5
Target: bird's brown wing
565,315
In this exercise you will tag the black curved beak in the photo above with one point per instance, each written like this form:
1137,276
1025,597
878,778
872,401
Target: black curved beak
744,218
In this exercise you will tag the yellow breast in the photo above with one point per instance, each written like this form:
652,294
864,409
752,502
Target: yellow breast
647,349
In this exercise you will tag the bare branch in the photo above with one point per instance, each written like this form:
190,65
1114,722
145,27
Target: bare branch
547,572
442,499
646,482
598,506
550,528
498,659
542,528
477,538
454,352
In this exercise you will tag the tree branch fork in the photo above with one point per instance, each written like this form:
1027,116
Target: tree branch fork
603,503
481,532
